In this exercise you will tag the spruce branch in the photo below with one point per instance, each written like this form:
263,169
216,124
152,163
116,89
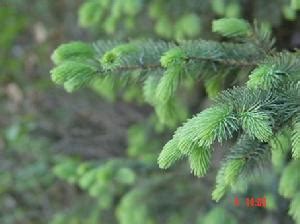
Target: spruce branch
245,156
115,58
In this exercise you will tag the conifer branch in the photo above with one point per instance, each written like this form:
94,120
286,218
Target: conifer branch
255,112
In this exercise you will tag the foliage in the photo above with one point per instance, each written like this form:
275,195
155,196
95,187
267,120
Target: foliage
215,78
252,113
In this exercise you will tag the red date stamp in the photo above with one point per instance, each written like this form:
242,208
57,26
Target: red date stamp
252,202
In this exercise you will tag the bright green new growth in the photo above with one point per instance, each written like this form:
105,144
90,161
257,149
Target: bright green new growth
149,89
227,177
174,57
236,109
257,124
199,160
274,72
263,76
231,27
73,75
169,155
72,51
216,123
232,171
73,68
244,157
174,62
111,59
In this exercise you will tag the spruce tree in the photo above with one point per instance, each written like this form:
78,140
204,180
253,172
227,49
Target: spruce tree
253,85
